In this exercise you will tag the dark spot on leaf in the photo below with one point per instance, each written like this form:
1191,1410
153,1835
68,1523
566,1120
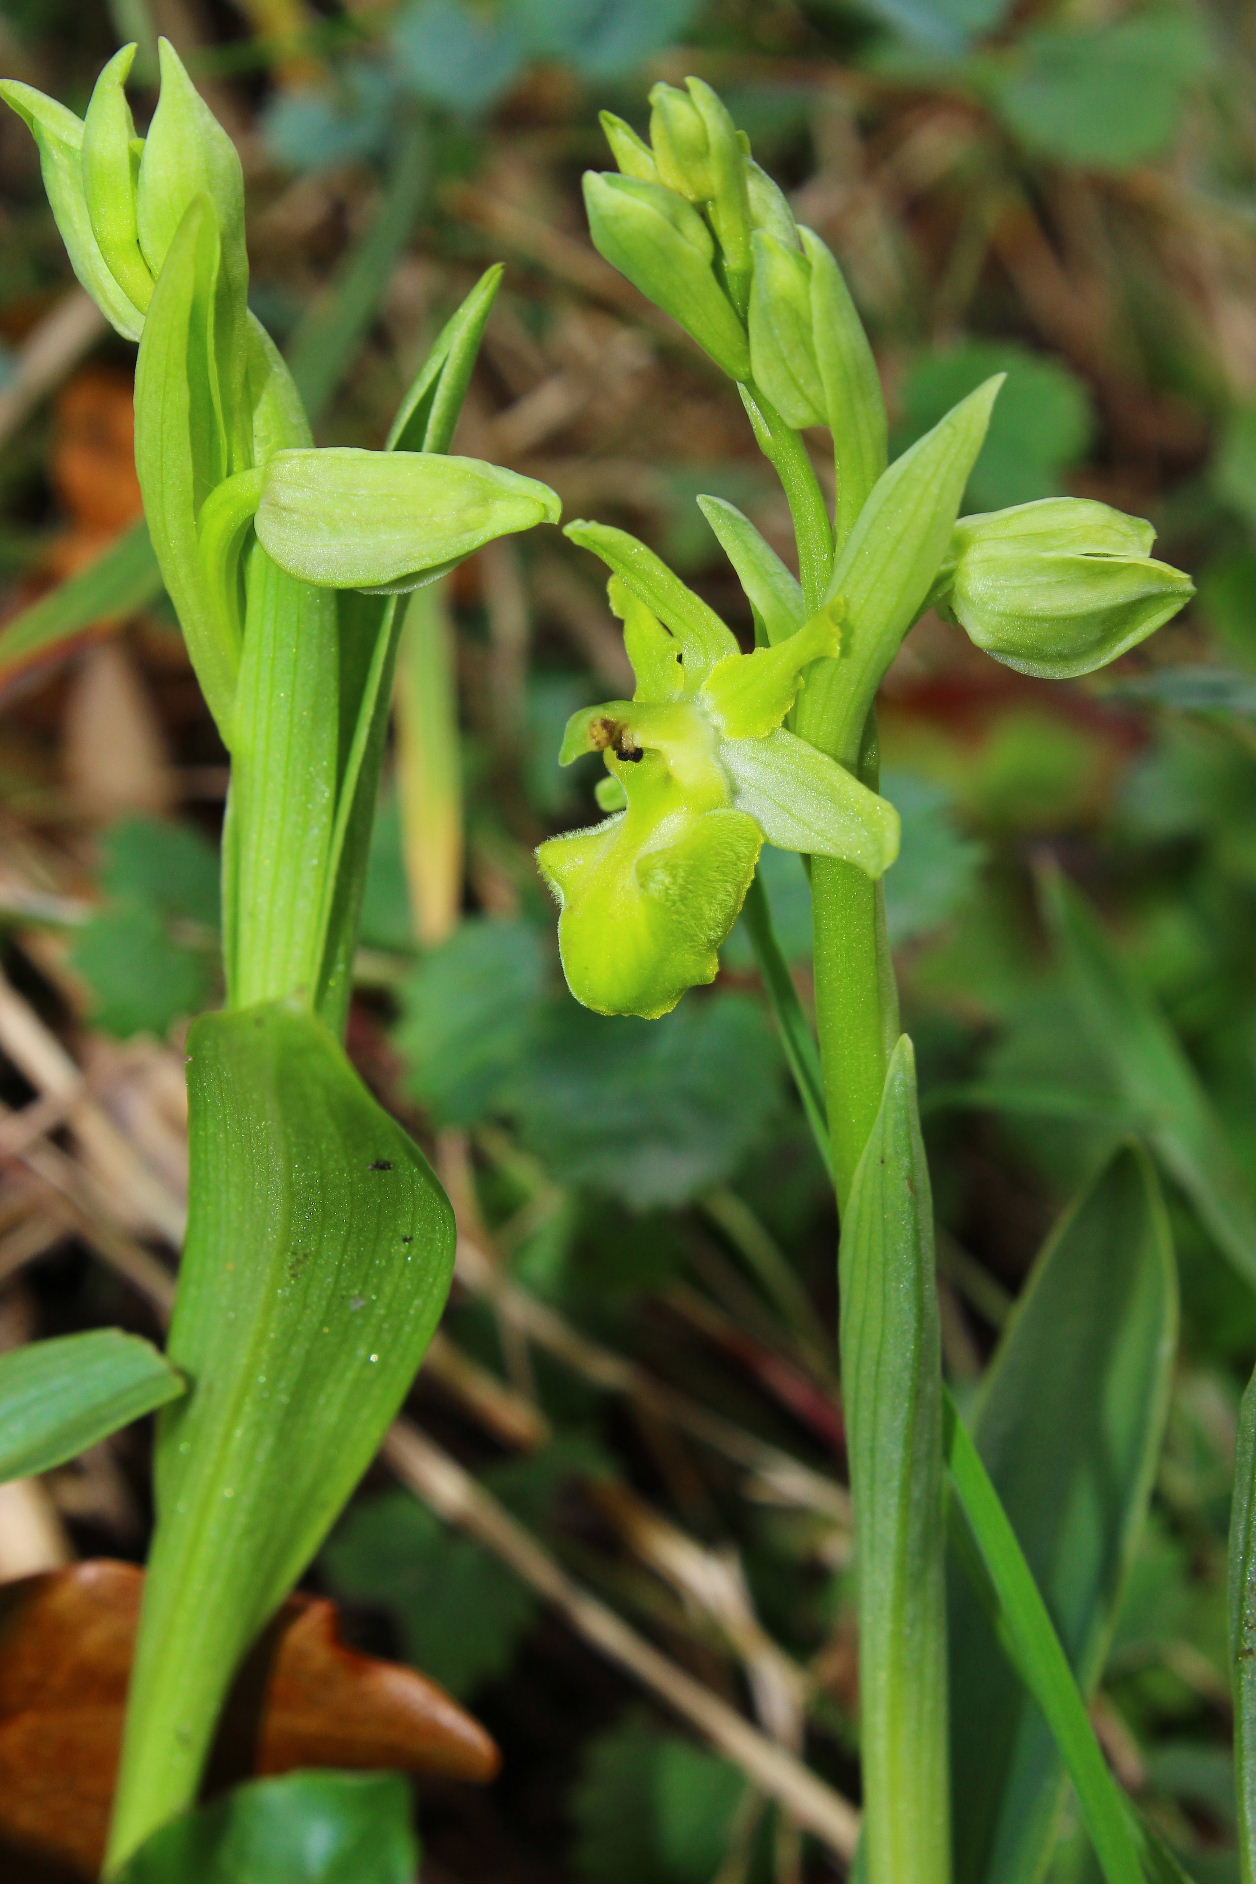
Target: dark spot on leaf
407,1239
381,1164
297,1260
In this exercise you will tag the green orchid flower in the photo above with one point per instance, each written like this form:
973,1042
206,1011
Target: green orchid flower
701,772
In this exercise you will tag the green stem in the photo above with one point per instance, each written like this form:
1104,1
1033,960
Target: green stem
795,1029
813,528
856,994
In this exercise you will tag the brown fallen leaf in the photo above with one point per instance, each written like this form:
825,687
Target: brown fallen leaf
303,1699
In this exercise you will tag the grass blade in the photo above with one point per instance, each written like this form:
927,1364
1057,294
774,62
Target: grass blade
1023,1625
1152,1074
120,581
59,1397
1070,1423
1243,1630
892,1398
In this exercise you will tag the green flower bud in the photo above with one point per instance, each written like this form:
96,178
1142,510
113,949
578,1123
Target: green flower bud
59,136
1058,588
110,161
631,153
769,208
681,144
782,345
382,520
188,154
665,249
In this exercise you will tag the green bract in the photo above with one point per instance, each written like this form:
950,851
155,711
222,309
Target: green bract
1060,587
705,772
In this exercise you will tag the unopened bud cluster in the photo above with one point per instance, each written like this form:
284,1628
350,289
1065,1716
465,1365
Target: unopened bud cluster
706,235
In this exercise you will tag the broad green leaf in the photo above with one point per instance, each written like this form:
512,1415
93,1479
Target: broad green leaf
461,1612
602,38
1243,1629
122,579
141,978
1107,95
648,1112
343,518
892,1401
886,570
854,402
456,56
1151,1073
1069,1426
303,1828
937,863
703,637
468,1011
181,450
651,1808
59,1397
773,591
319,1253
171,866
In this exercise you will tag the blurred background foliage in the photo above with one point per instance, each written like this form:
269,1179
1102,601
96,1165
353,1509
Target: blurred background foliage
1059,188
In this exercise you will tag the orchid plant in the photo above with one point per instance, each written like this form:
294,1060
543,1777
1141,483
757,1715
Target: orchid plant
720,751
320,1244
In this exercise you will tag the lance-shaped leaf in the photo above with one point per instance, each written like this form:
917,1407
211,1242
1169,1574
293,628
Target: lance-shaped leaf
59,1397
383,520
703,637
887,568
428,414
319,1253
59,136
774,592
892,1397
306,1828
1069,1425
1152,1074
